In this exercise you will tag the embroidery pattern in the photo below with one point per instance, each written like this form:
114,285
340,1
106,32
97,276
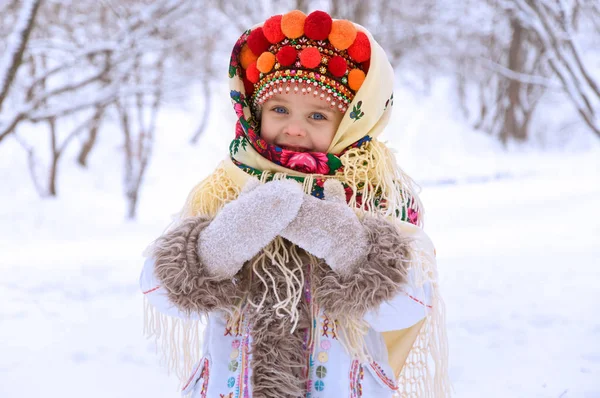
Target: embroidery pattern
205,377
328,328
235,69
236,329
356,376
325,332
357,112
389,102
311,336
391,383
242,385
192,375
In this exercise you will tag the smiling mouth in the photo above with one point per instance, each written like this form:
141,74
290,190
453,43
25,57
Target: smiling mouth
294,148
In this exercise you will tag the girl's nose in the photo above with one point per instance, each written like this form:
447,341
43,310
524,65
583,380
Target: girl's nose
295,130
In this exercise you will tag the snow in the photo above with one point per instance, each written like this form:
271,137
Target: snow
516,235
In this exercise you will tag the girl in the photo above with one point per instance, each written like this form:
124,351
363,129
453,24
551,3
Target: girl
303,252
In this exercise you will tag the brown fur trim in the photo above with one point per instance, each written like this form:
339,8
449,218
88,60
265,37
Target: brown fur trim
178,268
279,359
377,279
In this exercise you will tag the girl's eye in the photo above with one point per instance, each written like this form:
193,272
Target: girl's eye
318,116
279,109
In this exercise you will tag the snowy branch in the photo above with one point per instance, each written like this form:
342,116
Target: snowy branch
11,60
520,77
551,24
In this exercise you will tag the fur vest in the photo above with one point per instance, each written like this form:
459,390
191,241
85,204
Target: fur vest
251,346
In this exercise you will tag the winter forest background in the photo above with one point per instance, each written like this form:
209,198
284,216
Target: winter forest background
111,110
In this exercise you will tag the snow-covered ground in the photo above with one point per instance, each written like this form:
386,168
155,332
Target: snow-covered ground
517,237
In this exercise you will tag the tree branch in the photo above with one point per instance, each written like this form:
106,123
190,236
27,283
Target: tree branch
13,56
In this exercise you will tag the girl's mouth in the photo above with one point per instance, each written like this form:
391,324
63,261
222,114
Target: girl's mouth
294,148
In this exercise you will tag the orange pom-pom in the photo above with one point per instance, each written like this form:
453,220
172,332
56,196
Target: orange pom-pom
252,73
342,34
356,77
272,29
292,24
310,57
247,56
265,62
360,50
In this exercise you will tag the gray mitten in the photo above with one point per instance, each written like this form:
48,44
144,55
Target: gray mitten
246,225
329,229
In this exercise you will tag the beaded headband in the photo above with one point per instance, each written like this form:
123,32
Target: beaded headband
311,54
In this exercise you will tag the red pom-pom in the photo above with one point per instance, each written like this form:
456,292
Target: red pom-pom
248,87
257,41
317,25
287,55
337,66
252,73
366,65
360,50
272,29
310,57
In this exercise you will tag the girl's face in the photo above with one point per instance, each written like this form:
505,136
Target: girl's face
300,123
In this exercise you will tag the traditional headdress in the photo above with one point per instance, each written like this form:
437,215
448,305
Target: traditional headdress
312,54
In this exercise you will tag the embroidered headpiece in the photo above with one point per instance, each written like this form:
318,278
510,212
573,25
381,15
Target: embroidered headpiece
313,54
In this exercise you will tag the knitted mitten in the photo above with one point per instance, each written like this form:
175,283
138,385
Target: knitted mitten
246,225
329,229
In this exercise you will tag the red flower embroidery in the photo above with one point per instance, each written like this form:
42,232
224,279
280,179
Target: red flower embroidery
349,192
239,130
305,162
252,135
413,216
262,144
239,109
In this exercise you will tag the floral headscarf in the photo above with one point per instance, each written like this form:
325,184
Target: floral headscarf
363,122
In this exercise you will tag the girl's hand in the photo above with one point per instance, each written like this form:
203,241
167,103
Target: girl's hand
246,225
329,229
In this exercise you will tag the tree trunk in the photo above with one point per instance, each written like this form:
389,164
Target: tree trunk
361,12
205,113
335,9
89,143
54,160
512,126
556,36
302,5
132,199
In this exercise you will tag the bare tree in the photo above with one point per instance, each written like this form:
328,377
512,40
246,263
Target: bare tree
13,56
512,81
84,70
138,123
90,141
551,22
209,42
207,96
